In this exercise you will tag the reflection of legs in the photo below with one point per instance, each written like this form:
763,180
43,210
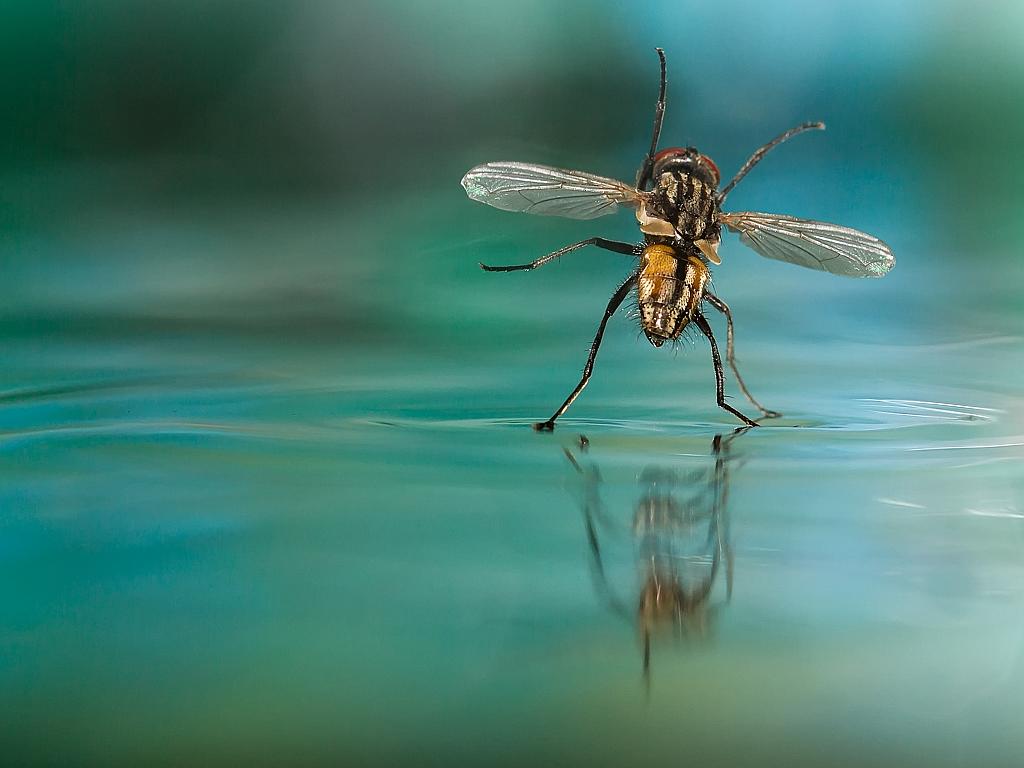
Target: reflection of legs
592,507
600,242
613,304
730,354
705,328
723,536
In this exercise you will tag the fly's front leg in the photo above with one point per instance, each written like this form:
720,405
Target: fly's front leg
613,304
756,157
643,177
600,242
730,354
705,328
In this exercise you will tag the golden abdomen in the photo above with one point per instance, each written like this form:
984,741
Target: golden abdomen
669,291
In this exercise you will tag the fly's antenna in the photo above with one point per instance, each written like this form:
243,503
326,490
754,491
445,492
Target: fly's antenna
659,117
757,156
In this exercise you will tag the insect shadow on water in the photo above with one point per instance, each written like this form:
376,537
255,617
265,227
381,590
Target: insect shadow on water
681,536
677,202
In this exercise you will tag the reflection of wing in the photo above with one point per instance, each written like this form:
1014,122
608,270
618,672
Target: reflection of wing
813,244
529,188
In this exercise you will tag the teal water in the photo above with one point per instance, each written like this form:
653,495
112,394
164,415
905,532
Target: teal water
268,490
270,495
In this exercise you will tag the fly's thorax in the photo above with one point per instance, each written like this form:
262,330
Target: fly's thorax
669,291
689,202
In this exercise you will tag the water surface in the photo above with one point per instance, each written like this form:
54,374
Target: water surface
275,509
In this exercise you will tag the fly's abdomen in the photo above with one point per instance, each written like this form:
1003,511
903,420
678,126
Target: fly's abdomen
668,291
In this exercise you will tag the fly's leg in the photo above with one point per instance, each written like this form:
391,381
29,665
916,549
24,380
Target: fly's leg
600,242
613,304
643,178
730,354
705,328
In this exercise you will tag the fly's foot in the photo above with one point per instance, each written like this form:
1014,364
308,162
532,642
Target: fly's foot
745,420
544,426
749,422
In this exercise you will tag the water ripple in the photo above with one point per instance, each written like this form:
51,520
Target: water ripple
926,409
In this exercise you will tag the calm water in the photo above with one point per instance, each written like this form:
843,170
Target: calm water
270,507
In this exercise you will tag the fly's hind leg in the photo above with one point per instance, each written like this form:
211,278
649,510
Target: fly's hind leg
613,304
600,242
730,354
705,328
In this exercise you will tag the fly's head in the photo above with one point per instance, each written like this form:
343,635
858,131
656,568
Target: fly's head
687,160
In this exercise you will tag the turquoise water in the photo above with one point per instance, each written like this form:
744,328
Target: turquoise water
268,489
266,503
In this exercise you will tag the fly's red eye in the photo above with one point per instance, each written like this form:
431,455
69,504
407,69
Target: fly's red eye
708,163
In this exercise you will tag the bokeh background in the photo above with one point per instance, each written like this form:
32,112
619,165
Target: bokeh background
289,161
268,492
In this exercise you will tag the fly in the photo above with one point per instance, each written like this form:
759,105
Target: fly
678,205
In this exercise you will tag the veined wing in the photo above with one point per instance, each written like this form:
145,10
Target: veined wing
812,244
529,188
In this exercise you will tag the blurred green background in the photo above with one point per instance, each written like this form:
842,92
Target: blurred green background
268,491
283,162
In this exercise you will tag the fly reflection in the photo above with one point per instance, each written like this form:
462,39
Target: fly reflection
681,541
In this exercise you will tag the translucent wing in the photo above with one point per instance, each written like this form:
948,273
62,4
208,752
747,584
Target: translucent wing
812,244
528,188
